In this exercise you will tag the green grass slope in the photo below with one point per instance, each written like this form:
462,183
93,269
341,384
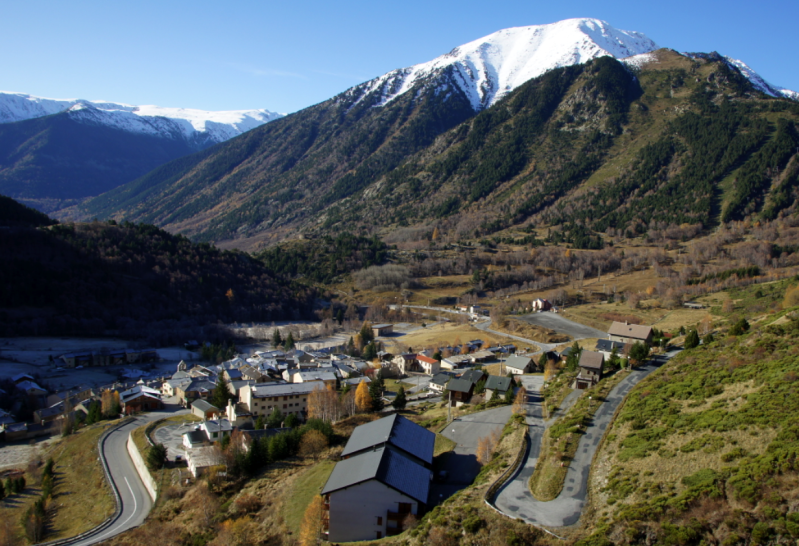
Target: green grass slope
706,450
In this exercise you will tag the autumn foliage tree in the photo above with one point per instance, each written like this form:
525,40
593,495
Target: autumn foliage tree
323,404
111,406
791,297
363,400
312,443
312,523
486,446
520,402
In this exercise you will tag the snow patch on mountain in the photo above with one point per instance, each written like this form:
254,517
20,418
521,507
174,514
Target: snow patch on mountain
637,61
198,125
489,68
761,84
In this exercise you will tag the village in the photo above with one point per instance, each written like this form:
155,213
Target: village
386,467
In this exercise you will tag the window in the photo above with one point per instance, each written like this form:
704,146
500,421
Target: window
404,508
284,406
379,535
380,520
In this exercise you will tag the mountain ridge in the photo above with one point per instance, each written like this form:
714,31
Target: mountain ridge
214,126
431,153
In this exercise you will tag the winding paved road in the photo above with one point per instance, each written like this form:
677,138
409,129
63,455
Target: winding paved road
136,502
516,500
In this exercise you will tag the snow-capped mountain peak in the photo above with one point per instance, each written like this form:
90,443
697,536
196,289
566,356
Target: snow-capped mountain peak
490,67
193,125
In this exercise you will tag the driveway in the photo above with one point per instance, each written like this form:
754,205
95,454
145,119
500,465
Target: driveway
515,498
172,437
562,325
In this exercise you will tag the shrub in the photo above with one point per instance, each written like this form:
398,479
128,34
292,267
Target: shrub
472,524
156,457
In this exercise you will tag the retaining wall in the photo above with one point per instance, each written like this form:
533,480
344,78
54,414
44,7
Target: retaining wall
141,468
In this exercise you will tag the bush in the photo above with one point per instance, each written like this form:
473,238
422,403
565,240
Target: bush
156,457
472,524
739,328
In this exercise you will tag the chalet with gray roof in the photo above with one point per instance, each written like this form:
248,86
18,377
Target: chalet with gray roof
518,365
606,346
438,382
385,476
630,333
496,386
591,364
461,391
204,409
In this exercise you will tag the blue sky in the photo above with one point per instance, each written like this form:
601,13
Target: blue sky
284,56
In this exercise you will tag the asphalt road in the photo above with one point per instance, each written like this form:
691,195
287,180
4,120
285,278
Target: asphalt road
462,466
515,498
136,502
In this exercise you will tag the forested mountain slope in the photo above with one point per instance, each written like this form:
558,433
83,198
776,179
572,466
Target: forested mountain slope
604,146
57,157
137,281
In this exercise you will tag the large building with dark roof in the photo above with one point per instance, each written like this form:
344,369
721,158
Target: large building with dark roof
383,477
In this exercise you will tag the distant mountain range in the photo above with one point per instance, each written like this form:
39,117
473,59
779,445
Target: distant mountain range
54,150
199,127
511,130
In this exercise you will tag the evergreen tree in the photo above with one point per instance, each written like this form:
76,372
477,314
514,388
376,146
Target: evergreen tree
276,339
367,334
574,357
692,339
376,394
156,456
542,361
260,422
292,421
221,393
640,351
509,395
400,400
708,339
370,351
275,419
289,343
351,347
613,360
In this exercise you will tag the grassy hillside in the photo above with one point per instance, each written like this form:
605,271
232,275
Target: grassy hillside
705,450
584,149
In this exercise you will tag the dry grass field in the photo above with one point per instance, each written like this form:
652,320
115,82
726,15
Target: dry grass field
445,334
79,482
